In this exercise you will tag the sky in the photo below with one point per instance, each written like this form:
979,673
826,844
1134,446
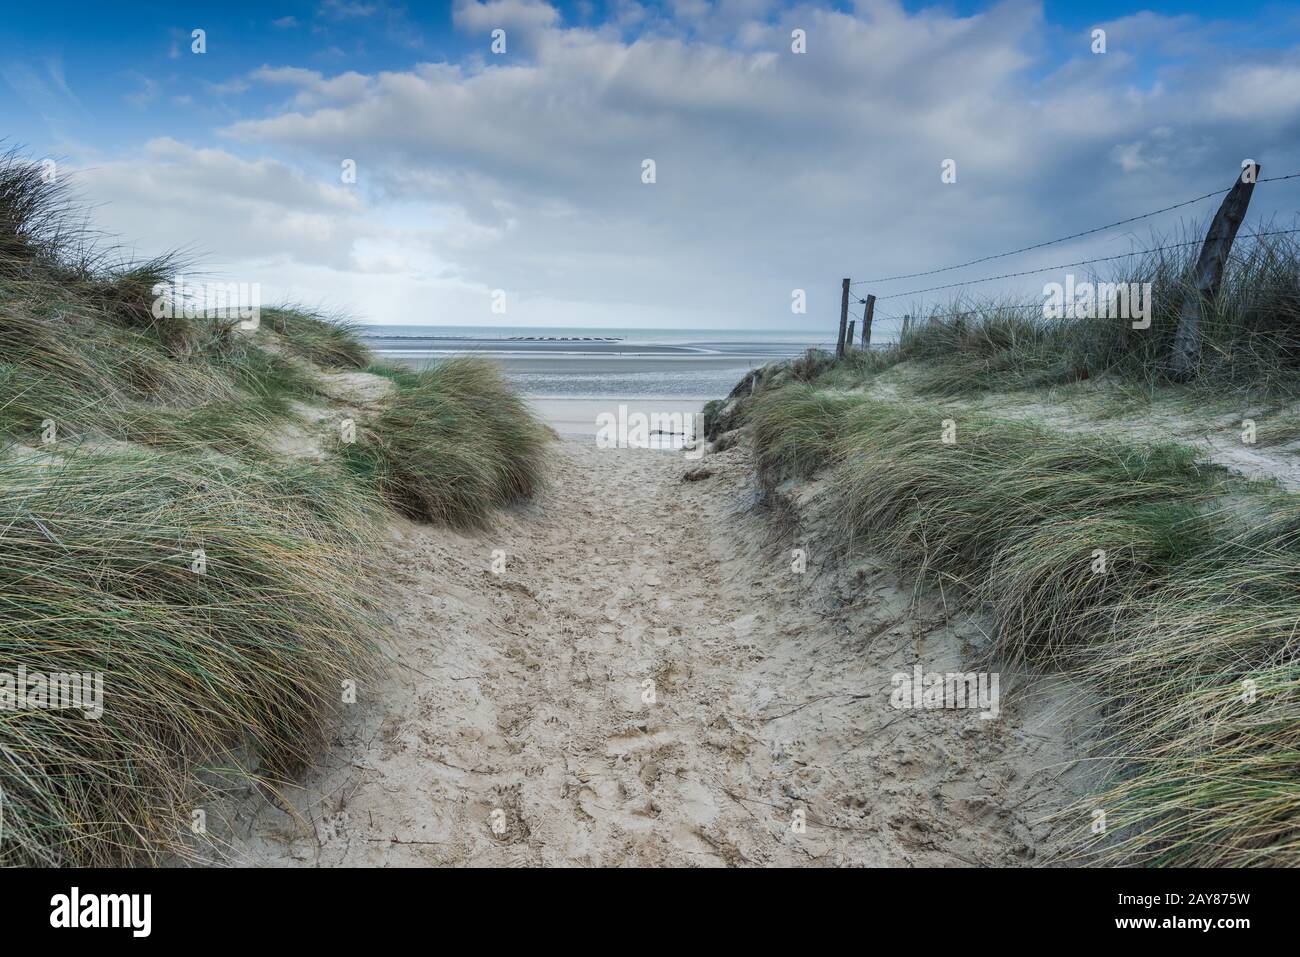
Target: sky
515,179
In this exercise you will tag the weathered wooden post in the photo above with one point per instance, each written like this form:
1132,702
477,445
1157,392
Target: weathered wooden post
1209,271
848,338
907,327
870,302
844,319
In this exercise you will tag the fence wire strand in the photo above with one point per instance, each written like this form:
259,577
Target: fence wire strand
858,318
1082,262
1053,242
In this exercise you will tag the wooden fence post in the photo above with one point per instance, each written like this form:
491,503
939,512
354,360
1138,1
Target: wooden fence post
848,338
1209,271
844,319
866,321
907,327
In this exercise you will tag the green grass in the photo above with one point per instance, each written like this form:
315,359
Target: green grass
96,576
1200,591
1250,334
392,371
1204,774
796,428
327,342
1016,513
452,444
164,431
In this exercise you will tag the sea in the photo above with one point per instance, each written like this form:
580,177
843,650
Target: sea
591,363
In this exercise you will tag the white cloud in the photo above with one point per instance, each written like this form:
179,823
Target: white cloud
1258,91
313,87
532,15
232,210
775,170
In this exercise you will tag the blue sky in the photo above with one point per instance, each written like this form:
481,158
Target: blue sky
522,171
126,67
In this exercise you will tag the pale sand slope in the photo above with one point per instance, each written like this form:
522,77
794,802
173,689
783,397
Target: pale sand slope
522,694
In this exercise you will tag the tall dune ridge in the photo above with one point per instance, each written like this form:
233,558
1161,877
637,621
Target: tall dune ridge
1133,530
190,508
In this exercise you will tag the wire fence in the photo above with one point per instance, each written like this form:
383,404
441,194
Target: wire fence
864,319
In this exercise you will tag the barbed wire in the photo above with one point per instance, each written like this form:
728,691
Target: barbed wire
968,312
1082,262
1053,242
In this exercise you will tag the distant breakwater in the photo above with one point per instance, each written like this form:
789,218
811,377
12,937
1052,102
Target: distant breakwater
502,338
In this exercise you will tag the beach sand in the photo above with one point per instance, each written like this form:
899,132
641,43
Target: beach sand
648,681
579,418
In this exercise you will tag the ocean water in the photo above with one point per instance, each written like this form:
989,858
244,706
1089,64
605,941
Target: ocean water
586,363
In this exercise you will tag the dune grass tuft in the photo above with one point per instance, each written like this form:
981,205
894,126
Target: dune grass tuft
1016,513
97,574
796,428
453,443
325,341
1188,629
1250,332
149,533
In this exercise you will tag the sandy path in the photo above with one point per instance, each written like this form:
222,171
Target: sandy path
649,683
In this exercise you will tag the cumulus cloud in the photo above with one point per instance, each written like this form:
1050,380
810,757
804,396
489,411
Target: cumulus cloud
775,170
236,210
311,87
527,16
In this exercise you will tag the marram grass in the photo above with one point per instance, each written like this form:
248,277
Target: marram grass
1189,632
1202,681
149,534
1249,348
97,574
452,443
